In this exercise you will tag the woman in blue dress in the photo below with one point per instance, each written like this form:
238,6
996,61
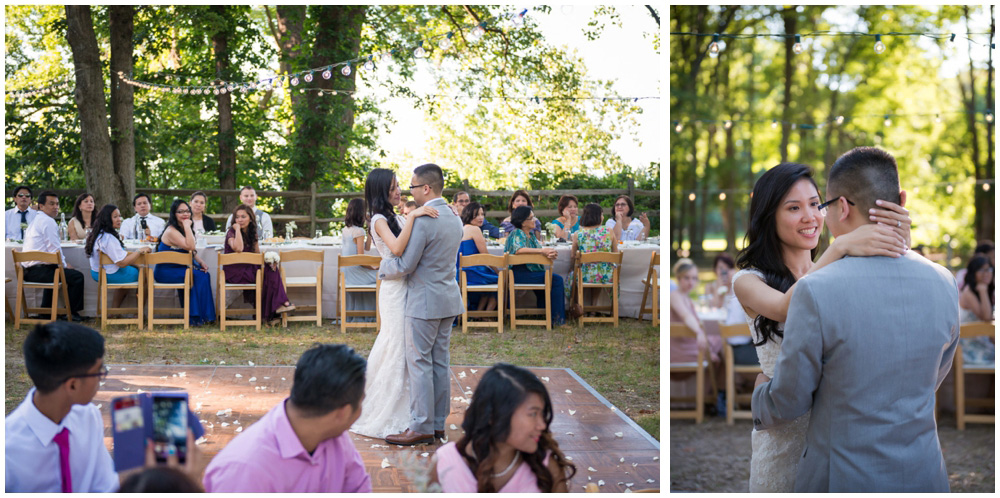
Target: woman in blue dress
474,243
179,236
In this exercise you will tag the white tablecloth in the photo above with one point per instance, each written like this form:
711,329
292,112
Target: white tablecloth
635,263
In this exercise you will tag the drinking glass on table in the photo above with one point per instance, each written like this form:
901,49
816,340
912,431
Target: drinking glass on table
542,235
319,233
486,236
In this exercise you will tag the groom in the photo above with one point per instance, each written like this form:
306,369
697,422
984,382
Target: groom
868,341
433,301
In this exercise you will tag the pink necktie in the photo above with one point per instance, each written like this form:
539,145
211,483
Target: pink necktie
62,440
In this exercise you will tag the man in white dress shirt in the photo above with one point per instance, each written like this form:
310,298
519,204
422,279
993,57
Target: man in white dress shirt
21,215
132,228
248,196
54,440
43,235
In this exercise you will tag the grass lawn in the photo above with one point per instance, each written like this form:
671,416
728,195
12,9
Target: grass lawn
623,363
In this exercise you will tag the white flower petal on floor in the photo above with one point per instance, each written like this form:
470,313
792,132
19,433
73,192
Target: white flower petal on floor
251,363
239,376
546,379
253,379
593,438
572,412
224,424
424,454
591,469
201,440
600,482
569,392
620,434
570,434
239,429
181,374
461,375
473,370
385,463
621,460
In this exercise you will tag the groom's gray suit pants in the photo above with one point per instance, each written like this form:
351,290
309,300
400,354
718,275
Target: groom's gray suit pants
427,361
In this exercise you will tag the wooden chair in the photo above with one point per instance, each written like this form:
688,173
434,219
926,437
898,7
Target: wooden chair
310,281
357,260
482,260
521,259
58,283
253,258
102,296
967,331
652,281
171,257
614,258
6,303
727,331
698,367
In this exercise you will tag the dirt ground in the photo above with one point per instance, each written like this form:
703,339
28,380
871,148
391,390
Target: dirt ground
714,457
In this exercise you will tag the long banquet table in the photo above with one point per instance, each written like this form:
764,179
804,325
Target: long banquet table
635,264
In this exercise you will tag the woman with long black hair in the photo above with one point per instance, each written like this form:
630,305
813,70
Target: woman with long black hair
104,239
178,236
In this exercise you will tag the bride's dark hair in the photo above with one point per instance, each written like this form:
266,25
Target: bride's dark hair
762,247
377,186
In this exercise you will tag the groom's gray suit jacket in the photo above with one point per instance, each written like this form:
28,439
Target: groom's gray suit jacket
867,343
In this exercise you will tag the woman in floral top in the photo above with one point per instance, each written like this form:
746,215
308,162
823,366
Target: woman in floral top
592,237
522,241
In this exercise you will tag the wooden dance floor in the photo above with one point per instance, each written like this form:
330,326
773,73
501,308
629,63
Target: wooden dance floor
622,455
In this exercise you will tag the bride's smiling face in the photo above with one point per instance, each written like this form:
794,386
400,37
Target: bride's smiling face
798,221
394,192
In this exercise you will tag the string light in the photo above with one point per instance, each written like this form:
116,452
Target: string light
988,116
937,118
797,48
692,197
936,36
986,187
840,120
774,124
420,52
722,196
887,119
713,49
327,74
445,43
678,128
308,77
346,70
728,124
478,31
370,64
887,122
879,46
949,189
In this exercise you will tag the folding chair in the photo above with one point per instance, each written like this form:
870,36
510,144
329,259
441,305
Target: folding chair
102,295
253,258
727,331
315,282
614,258
521,259
57,284
698,368
6,303
652,281
482,260
357,260
968,331
170,257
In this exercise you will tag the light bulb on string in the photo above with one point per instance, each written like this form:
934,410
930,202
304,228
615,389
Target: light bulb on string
797,48
369,65
774,124
327,74
840,120
887,122
949,189
420,52
937,118
713,49
478,31
722,196
879,46
692,197
295,80
445,43
988,116
678,128
222,90
308,77
986,187
346,70
728,124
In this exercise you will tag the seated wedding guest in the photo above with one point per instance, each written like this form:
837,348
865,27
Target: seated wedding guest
593,237
104,239
474,243
719,290
302,445
522,241
199,220
355,241
82,218
984,248
459,202
976,303
43,235
682,310
568,210
518,199
242,237
508,445
626,227
21,215
403,201
409,206
248,196
54,440
143,225
744,352
178,236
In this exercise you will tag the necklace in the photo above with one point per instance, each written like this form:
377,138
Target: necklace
517,456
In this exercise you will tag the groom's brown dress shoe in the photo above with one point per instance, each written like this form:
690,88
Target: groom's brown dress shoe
410,438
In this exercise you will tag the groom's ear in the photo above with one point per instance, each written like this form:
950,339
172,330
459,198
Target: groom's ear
902,198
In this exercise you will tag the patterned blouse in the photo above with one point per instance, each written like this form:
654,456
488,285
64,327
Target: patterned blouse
517,239
598,239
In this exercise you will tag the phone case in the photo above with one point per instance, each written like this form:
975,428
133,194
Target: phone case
132,425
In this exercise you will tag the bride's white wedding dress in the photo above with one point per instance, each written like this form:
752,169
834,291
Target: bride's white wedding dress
776,451
385,409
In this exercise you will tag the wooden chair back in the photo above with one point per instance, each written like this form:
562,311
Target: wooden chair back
57,286
304,255
235,258
102,296
679,330
961,369
357,260
497,261
614,258
172,258
522,259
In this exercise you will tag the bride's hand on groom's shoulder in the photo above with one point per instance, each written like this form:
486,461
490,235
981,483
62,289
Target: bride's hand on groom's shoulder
424,211
872,240
892,215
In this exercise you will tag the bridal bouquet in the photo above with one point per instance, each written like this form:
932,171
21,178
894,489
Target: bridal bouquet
272,258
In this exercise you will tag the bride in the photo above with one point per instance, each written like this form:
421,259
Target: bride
385,408
786,219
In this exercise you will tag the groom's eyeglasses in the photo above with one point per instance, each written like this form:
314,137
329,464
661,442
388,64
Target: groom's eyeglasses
417,186
823,207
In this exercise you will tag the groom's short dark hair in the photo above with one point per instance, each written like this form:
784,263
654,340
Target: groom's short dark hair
431,175
327,377
863,175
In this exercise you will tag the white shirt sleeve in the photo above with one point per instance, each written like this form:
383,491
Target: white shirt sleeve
229,221
43,235
107,244
105,479
128,228
265,220
156,225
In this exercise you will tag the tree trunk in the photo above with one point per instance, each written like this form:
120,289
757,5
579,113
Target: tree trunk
791,18
986,200
226,137
95,144
122,100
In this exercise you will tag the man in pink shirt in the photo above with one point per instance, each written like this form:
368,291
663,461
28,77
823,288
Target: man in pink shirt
302,445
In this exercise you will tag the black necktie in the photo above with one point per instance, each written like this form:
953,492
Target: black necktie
142,231
24,221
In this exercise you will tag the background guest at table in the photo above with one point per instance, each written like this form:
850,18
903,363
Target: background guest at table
474,243
522,241
248,196
242,237
199,220
568,210
356,242
459,201
43,235
626,227
403,201
977,301
21,215
682,310
592,237
408,206
142,224
490,228
178,236
508,445
719,290
984,248
518,199
82,217
104,239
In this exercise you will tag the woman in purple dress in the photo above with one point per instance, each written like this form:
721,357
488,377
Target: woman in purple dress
242,237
